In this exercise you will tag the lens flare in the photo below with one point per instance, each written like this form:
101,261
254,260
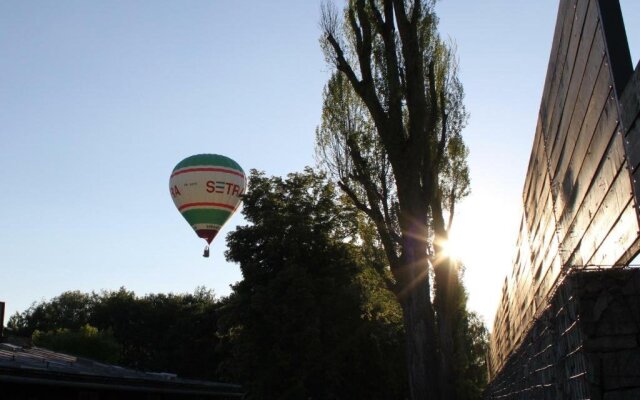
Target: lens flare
451,248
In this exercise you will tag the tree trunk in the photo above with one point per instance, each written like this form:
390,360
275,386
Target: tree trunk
446,302
445,305
420,334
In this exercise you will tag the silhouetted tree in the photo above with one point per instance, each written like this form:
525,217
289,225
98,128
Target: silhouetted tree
157,332
308,320
70,310
472,344
391,137
87,341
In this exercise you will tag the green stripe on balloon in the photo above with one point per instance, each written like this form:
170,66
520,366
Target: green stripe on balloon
214,160
206,216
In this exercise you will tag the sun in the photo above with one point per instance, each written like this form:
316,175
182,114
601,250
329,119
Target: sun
451,248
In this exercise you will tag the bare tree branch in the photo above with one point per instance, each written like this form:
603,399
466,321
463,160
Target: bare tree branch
376,217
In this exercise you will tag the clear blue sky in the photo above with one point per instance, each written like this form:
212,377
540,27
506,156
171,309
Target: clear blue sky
99,101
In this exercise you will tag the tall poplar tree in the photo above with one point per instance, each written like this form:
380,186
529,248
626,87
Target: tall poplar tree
391,136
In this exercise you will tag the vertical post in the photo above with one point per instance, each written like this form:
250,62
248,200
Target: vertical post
617,45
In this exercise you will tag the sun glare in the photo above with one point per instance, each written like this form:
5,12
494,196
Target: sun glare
451,248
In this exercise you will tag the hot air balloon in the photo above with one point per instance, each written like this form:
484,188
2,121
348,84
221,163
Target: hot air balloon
207,190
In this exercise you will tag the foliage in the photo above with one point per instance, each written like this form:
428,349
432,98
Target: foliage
69,310
471,356
308,320
470,341
85,342
157,332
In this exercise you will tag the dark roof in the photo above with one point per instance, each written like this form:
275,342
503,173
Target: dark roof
34,365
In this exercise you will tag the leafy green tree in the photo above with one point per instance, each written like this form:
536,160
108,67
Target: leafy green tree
157,332
87,341
391,136
121,311
70,310
163,332
308,320
472,345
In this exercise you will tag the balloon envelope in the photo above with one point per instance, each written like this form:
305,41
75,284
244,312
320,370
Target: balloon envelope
207,189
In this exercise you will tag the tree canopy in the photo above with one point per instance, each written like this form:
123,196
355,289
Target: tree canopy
309,319
156,332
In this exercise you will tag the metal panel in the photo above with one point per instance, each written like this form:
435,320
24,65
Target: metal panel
570,184
604,219
554,73
578,196
555,136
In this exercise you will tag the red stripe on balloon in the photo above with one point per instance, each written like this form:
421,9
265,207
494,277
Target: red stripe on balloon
207,234
228,171
206,204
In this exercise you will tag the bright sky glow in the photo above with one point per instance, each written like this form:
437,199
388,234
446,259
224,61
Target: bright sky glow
504,51
100,100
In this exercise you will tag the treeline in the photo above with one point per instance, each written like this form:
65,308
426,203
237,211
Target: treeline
157,332
311,318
